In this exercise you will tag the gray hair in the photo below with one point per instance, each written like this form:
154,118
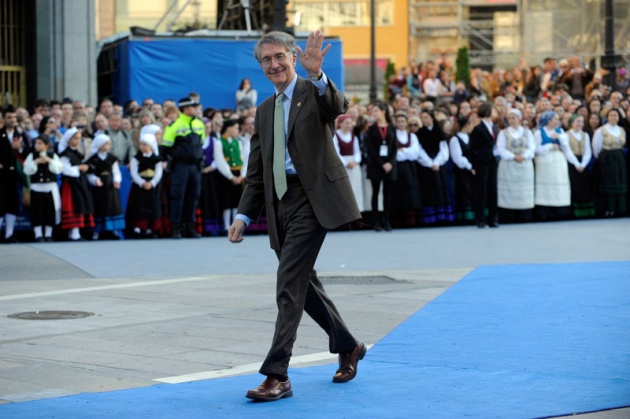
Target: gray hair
275,38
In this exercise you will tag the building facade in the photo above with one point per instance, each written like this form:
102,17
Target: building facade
50,47
48,50
498,33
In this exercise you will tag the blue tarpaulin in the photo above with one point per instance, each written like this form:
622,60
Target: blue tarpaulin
171,68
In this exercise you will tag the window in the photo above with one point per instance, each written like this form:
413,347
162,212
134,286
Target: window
313,15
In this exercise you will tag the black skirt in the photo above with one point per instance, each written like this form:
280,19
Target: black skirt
144,204
612,174
106,198
581,185
81,196
434,187
229,194
463,193
406,189
42,210
209,200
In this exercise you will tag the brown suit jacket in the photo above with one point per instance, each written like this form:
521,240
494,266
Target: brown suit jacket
320,170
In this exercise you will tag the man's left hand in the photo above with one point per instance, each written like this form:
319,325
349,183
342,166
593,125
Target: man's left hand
313,55
235,232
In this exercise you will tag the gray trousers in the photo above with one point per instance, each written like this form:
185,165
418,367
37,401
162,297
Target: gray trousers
298,289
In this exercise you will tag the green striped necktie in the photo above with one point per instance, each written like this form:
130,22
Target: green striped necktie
279,145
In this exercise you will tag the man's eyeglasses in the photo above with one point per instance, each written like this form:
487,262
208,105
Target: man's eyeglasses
279,58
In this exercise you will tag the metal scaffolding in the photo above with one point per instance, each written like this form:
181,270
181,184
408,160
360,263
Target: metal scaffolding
499,34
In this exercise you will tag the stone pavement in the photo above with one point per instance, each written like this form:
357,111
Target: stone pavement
172,311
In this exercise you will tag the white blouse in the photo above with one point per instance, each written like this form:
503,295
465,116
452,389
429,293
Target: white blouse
598,137
414,151
456,151
68,169
116,175
547,148
347,138
586,158
222,165
30,168
440,158
137,179
530,151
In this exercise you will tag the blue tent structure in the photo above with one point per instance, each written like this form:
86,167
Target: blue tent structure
170,67
163,68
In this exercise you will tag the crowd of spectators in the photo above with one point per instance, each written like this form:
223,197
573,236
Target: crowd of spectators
430,115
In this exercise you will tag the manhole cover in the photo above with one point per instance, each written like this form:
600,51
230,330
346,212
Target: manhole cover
360,280
50,315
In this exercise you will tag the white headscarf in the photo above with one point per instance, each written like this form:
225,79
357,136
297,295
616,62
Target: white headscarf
150,129
152,141
516,112
99,141
63,144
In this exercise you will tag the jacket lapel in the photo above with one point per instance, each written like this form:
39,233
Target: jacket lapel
265,112
300,95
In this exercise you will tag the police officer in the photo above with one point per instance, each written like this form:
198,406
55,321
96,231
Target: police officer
182,142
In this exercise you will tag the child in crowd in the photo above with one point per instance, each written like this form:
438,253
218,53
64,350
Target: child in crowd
227,155
76,199
105,178
43,166
144,208
170,114
349,149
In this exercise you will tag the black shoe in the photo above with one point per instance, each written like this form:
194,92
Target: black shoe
191,233
494,225
39,240
481,224
48,239
376,221
109,235
177,232
9,240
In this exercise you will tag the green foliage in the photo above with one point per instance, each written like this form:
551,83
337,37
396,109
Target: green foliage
390,70
462,65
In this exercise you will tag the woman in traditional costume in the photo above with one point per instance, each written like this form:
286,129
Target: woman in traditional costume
611,170
515,175
553,189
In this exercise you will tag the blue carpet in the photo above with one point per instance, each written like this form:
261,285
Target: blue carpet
514,341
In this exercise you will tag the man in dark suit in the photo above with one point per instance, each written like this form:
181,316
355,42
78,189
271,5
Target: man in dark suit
482,145
13,149
305,189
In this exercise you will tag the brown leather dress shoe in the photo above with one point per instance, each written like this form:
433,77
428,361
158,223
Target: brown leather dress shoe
270,390
348,363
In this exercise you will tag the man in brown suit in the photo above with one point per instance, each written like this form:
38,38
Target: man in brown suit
309,194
